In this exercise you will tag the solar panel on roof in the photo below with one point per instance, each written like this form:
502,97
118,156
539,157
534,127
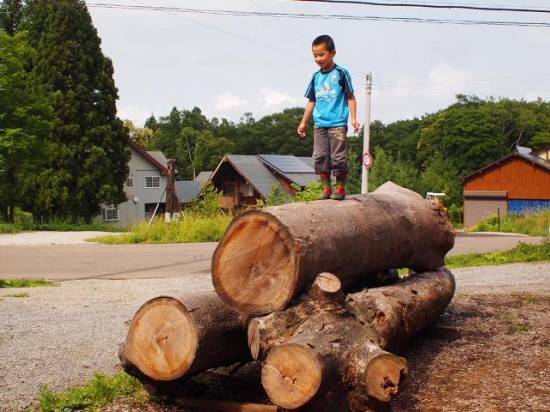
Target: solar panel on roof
287,164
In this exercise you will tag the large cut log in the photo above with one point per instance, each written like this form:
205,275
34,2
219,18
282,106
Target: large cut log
268,257
324,350
173,338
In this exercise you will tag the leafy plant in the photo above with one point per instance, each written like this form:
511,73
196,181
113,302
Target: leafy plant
278,196
523,252
98,392
25,283
533,224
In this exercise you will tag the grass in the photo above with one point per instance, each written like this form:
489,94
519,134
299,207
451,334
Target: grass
190,229
533,224
18,295
100,391
59,226
25,283
522,253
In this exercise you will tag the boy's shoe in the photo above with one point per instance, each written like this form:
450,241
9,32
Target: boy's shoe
340,192
325,195
327,186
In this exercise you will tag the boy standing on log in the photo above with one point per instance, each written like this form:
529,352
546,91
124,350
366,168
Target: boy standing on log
331,101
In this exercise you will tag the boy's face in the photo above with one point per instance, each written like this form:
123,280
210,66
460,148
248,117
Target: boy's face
323,57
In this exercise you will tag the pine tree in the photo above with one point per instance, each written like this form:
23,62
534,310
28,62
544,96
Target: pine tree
11,12
88,150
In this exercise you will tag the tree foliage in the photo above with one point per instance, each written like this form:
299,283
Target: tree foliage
87,163
26,120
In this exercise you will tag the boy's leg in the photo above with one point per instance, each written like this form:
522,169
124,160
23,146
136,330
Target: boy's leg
321,159
339,159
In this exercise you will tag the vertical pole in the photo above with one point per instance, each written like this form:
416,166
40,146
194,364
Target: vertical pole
366,136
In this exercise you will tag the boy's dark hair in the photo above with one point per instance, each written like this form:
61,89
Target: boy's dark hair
326,40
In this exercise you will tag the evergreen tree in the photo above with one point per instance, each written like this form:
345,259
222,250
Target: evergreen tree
88,155
25,120
11,12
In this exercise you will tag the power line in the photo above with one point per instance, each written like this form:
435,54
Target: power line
434,6
237,13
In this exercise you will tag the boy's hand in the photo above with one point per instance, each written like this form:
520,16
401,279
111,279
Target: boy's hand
302,130
355,124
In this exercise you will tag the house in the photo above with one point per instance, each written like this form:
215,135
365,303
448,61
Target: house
517,183
245,180
145,188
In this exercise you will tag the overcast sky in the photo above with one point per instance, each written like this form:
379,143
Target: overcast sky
229,64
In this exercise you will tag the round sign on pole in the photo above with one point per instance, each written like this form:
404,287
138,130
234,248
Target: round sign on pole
367,160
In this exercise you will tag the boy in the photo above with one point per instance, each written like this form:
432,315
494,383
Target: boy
331,102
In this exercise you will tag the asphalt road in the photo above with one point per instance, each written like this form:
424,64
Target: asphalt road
95,261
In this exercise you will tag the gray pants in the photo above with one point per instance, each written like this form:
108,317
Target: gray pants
330,150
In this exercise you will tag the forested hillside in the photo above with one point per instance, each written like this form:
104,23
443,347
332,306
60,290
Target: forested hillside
428,154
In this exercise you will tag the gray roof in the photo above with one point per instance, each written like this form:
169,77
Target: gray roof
158,156
187,190
203,176
297,170
254,171
286,164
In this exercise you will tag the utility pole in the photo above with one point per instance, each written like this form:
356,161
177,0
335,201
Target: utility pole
366,159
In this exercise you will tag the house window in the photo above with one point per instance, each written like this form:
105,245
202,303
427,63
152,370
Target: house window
110,215
130,182
152,182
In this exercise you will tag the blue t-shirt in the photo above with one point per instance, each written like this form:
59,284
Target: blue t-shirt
330,90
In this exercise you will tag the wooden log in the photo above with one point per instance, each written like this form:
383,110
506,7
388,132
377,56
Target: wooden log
399,311
224,406
310,347
172,338
321,340
266,258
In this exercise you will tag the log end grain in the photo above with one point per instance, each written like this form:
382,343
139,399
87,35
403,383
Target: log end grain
162,340
385,376
291,375
254,266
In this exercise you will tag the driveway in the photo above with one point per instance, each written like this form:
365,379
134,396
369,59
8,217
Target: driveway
68,256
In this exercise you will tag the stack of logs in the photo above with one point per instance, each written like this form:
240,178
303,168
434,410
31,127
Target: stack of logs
293,290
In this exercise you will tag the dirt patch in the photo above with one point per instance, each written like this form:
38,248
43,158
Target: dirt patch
499,364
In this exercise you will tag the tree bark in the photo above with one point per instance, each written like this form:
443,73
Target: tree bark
172,338
266,258
323,339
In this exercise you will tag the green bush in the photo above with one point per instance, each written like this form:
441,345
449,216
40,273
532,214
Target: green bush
533,224
98,392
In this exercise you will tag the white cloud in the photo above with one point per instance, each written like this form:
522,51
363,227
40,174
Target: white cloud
271,99
443,75
228,101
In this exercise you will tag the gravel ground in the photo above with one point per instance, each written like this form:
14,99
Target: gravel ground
60,336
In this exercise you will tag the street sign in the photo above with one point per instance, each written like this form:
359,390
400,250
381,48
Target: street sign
367,160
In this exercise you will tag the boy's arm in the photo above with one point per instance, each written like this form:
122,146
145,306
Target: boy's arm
352,103
305,119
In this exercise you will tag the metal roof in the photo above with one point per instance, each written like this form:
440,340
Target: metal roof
297,170
158,156
254,171
203,177
286,164
187,190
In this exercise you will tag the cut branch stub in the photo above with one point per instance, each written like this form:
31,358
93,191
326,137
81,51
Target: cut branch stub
266,258
291,375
